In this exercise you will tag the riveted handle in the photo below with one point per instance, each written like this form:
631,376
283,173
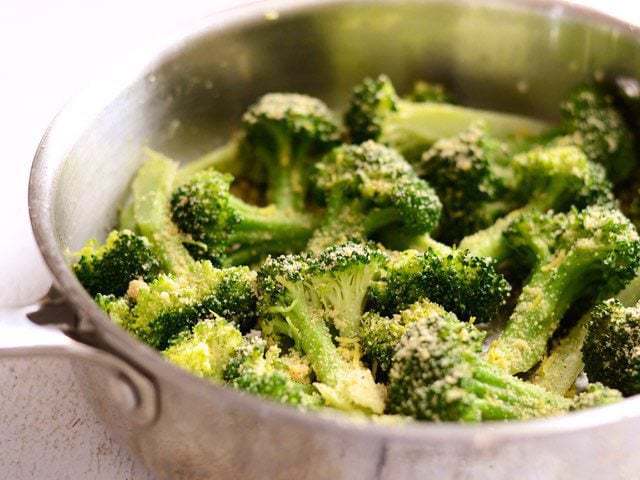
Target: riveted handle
46,336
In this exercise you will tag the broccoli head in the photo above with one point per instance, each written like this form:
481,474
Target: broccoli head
611,350
557,178
596,254
380,335
439,374
172,304
261,371
542,179
466,285
368,188
305,298
468,173
287,132
376,112
229,230
593,123
107,269
206,350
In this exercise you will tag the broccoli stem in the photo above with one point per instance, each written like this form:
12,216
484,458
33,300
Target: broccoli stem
503,397
127,217
267,224
425,242
340,383
427,122
541,305
343,221
250,254
311,335
152,189
490,242
350,220
558,372
312,304
225,159
286,178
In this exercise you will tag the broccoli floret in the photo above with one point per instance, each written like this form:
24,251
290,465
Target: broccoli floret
466,285
438,374
429,92
287,133
259,370
229,229
611,349
172,304
592,122
596,254
551,178
468,173
380,335
367,188
306,298
206,350
107,269
151,190
377,113
596,395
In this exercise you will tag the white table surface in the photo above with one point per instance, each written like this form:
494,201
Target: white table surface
49,50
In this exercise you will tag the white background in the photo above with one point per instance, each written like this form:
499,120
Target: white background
48,51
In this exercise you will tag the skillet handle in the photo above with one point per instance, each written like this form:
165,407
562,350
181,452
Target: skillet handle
39,330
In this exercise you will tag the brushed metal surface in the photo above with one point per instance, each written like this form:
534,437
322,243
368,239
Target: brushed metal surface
517,56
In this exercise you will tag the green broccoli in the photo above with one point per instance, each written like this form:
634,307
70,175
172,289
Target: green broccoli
206,350
172,304
553,178
368,188
439,374
107,269
229,230
559,370
596,253
377,113
304,298
381,335
592,122
259,370
596,395
611,350
471,174
287,133
466,285
232,158
152,188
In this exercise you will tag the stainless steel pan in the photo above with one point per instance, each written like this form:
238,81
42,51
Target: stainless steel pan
517,56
